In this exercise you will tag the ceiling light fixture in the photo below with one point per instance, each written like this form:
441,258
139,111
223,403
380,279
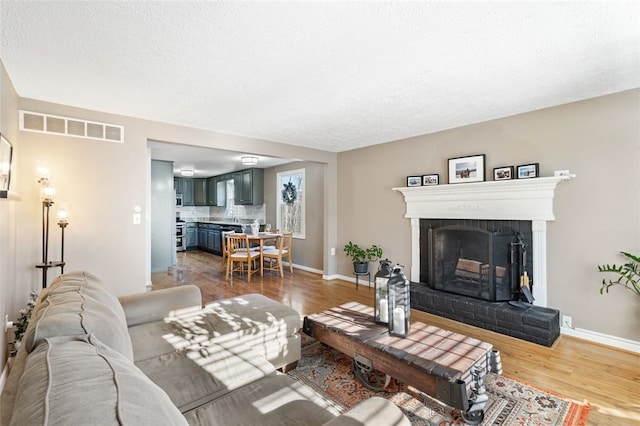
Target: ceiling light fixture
186,172
249,160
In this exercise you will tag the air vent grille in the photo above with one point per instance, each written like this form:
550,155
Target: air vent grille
56,125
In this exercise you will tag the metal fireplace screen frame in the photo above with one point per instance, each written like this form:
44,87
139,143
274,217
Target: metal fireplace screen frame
476,262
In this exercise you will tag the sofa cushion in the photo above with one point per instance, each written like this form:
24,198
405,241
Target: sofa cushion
80,381
277,400
269,327
251,313
78,303
197,375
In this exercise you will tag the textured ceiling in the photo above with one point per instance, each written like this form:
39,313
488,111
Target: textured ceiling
327,75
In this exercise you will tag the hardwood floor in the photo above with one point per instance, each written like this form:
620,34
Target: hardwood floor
606,377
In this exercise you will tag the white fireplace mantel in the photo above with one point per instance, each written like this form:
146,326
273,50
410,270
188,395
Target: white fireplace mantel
519,199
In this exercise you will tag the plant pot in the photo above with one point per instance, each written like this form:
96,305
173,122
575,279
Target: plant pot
361,268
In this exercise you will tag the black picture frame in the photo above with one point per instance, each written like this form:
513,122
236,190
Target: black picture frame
467,169
528,171
503,173
430,180
414,181
6,156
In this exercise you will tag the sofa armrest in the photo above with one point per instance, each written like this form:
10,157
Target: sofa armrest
155,305
374,411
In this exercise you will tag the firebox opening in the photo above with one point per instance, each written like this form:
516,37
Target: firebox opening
487,263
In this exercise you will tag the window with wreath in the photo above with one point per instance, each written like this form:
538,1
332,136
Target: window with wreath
290,205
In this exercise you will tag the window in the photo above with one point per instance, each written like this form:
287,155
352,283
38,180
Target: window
290,202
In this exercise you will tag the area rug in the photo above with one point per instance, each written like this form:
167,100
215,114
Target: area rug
510,402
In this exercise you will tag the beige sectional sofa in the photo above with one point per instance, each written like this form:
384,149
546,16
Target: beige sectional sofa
159,358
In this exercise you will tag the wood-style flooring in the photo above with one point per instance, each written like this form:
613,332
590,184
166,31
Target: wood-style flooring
608,378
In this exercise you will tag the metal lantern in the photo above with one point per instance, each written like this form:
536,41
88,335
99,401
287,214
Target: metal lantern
399,303
381,302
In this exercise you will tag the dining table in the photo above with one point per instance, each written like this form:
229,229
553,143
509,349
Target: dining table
260,239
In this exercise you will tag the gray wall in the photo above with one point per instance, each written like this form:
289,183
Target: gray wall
597,214
309,251
10,291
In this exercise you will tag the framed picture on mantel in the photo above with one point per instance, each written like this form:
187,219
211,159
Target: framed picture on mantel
466,169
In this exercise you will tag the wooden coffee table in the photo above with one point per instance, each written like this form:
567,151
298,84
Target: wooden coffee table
445,365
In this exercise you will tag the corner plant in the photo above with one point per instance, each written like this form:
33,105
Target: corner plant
629,274
362,255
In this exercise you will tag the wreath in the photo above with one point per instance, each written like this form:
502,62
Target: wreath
289,193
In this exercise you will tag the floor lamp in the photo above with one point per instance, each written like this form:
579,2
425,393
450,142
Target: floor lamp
47,201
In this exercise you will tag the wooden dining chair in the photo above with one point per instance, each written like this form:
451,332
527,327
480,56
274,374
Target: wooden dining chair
238,253
225,250
274,257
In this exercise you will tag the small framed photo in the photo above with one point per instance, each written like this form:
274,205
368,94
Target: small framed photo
428,180
466,169
414,181
527,171
503,173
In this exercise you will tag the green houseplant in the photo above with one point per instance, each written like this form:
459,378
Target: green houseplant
362,256
628,274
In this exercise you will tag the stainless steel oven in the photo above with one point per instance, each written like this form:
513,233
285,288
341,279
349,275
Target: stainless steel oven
181,243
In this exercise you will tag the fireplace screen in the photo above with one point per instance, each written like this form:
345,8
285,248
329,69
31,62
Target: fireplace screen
476,262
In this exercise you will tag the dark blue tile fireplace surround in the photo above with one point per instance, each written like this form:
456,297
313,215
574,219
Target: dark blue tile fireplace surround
520,320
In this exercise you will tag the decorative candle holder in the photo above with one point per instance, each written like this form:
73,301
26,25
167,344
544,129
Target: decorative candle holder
381,302
399,304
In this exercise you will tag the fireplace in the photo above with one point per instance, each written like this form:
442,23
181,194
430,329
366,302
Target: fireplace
485,205
480,259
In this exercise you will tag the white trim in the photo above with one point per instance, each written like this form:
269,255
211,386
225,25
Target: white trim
5,373
604,339
304,268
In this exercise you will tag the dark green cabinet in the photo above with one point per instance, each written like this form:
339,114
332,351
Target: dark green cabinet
188,192
248,187
211,191
200,192
192,235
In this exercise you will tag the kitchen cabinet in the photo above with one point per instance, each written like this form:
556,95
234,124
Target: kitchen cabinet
200,191
188,192
249,187
210,238
177,185
211,191
191,231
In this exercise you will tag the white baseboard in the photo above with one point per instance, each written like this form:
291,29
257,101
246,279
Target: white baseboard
304,268
605,339
592,336
5,373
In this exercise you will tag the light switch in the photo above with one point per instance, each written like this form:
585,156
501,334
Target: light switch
137,218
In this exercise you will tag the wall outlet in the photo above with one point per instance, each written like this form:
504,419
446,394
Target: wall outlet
333,251
567,321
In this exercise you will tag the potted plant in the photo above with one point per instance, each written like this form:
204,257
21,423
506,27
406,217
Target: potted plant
629,274
362,256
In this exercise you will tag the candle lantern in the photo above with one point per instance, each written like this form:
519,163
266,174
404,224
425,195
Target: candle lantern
399,303
381,302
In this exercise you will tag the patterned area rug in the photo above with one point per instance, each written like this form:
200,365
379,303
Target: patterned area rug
510,402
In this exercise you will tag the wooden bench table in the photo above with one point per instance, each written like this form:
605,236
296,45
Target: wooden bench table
445,365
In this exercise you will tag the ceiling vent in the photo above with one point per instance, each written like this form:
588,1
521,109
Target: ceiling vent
56,125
